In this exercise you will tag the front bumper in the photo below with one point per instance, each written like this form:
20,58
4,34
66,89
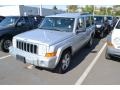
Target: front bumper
34,59
98,30
113,51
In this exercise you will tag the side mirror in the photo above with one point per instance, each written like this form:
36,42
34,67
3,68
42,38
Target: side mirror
19,24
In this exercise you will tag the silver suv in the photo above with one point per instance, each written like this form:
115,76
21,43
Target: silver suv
55,41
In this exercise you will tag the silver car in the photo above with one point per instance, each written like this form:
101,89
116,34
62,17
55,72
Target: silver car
113,42
55,41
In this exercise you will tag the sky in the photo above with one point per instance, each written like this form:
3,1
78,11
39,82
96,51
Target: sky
60,7
63,7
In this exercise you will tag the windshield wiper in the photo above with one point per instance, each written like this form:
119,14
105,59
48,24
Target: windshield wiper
56,30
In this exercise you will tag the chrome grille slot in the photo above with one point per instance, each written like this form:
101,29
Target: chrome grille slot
27,47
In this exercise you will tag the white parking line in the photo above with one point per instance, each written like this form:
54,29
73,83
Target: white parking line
89,68
4,57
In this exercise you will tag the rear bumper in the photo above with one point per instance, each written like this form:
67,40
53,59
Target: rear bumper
34,59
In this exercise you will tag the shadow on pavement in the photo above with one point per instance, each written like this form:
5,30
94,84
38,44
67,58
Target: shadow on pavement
115,59
81,54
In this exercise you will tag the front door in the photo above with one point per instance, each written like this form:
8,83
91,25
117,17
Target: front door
22,25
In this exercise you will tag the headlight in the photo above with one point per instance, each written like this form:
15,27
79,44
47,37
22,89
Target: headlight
98,26
117,41
14,42
42,49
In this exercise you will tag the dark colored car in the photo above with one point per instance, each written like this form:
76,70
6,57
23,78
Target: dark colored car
13,25
99,25
108,24
1,18
115,19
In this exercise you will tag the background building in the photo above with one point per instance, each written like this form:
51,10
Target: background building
21,10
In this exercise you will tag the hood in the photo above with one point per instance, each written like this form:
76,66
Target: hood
5,29
110,21
116,33
44,36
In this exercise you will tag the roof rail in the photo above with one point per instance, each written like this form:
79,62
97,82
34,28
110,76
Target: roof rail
84,13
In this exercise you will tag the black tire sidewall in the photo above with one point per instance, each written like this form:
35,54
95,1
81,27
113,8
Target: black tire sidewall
2,44
59,66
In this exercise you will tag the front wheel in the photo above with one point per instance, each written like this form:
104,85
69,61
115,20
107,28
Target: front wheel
64,62
5,44
102,35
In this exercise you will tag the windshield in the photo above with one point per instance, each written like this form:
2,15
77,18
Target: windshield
118,25
58,24
109,18
98,18
9,21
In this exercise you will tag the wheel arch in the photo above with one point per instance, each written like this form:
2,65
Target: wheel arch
60,52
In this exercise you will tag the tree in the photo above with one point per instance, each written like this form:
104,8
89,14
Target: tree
109,11
102,11
54,8
88,8
116,9
72,8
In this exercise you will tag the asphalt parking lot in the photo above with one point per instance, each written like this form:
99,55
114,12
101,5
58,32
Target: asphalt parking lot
82,70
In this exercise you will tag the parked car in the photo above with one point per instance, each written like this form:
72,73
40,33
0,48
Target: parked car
113,42
55,41
99,25
115,19
1,18
13,25
108,24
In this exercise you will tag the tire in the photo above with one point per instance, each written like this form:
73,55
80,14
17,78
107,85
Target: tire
64,62
90,42
102,35
5,43
107,56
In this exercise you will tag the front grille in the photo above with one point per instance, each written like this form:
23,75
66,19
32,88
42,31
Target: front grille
26,46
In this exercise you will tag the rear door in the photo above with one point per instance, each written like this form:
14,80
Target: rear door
80,33
89,27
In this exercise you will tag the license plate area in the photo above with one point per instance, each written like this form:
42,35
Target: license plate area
21,58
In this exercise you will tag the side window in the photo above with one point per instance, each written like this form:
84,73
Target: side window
81,23
88,21
22,20
27,20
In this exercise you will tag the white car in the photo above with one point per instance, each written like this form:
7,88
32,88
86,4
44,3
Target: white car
113,42
55,41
